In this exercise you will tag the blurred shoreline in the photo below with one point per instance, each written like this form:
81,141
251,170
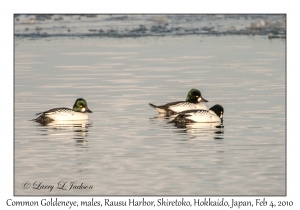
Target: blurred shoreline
117,26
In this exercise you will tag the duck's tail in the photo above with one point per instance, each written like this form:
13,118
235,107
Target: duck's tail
152,105
160,109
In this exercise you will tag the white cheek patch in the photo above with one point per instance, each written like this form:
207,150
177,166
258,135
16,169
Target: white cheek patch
83,110
199,99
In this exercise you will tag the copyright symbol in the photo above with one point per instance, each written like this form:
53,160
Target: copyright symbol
26,185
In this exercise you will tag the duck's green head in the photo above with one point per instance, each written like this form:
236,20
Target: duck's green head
194,96
218,110
81,106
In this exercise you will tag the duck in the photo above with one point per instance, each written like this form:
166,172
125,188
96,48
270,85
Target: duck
213,115
79,112
194,100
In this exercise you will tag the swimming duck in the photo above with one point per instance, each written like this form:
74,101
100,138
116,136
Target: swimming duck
193,100
213,115
78,112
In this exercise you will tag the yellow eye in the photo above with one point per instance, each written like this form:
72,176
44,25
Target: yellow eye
80,106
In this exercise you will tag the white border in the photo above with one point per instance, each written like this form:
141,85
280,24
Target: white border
154,6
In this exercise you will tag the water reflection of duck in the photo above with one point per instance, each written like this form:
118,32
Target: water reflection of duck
70,124
78,128
194,100
78,112
202,130
214,130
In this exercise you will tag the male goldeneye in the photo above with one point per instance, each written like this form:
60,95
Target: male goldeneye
78,112
213,115
193,100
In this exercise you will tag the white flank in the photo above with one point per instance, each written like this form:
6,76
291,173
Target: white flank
204,117
199,126
61,116
187,106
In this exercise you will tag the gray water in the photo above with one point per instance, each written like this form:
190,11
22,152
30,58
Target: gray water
125,148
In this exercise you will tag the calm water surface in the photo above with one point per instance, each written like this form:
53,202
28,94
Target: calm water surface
125,148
